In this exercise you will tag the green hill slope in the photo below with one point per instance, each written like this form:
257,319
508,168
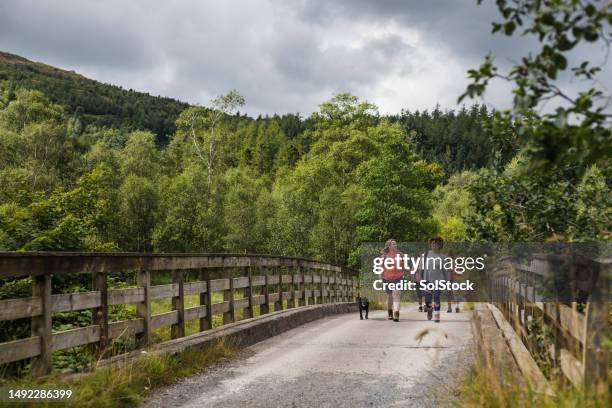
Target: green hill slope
97,103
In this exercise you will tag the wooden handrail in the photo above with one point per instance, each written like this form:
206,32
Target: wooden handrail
15,264
262,280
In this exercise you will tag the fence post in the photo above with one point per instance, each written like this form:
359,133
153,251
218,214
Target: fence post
328,287
248,293
206,300
265,307
100,314
330,295
313,297
291,300
321,287
336,288
278,305
42,325
228,296
596,357
178,303
347,287
302,286
143,309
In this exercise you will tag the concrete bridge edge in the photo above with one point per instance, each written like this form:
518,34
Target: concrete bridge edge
242,333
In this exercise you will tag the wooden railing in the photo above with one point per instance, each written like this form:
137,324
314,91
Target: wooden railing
576,336
266,282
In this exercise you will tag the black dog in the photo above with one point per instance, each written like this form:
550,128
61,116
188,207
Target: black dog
364,304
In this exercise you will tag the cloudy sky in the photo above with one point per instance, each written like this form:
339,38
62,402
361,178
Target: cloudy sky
282,55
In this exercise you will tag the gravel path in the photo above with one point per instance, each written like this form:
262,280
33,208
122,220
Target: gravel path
338,361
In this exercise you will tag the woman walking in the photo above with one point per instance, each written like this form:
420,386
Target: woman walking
392,274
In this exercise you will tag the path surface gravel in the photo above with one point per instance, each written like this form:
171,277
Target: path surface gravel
339,361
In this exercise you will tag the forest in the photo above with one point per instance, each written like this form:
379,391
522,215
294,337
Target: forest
314,187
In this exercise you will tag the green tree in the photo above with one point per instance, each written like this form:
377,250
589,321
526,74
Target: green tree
34,138
189,223
212,121
245,194
577,133
398,186
140,156
556,178
342,191
452,205
138,206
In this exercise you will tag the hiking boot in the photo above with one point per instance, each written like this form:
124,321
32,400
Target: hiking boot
457,309
437,321
396,317
449,310
429,312
420,308
390,313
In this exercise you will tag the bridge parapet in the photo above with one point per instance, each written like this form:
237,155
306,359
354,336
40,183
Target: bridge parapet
224,285
568,333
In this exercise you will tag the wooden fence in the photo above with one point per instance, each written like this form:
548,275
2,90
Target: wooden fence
265,282
572,332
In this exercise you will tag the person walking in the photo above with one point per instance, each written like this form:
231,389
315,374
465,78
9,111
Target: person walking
433,271
455,295
392,274
416,278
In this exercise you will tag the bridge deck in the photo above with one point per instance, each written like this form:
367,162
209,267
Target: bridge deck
338,361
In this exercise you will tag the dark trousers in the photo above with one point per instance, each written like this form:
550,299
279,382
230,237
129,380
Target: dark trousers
361,309
435,296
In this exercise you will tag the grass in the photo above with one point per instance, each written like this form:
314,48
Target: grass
377,305
191,326
483,387
124,386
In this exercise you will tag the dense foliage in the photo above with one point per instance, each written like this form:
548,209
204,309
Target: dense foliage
345,175
316,186
468,139
558,185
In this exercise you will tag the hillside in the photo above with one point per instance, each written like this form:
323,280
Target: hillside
96,102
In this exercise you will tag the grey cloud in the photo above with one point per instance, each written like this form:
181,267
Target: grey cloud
343,66
283,55
79,33
460,25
